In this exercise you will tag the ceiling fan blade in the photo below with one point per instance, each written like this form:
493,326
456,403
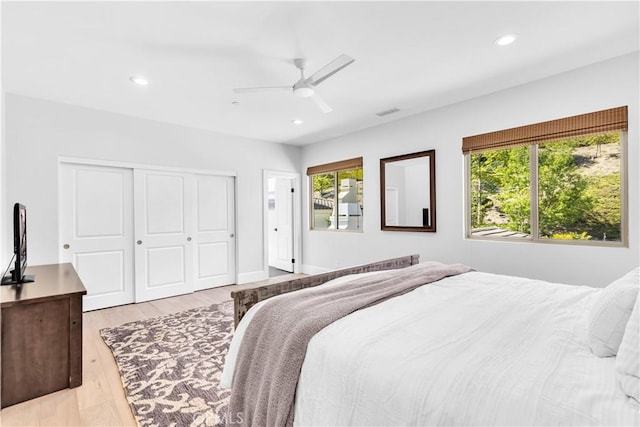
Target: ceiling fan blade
323,106
329,70
262,89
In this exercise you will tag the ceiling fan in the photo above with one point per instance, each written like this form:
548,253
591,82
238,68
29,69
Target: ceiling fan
305,87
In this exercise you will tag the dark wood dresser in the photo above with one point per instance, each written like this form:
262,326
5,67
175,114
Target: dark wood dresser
41,342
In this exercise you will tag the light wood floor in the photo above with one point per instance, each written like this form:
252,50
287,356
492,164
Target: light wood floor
100,401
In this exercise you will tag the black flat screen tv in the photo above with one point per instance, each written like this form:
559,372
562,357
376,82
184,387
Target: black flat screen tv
19,247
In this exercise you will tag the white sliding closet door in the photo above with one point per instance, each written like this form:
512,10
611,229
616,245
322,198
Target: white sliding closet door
164,250
96,231
136,234
215,231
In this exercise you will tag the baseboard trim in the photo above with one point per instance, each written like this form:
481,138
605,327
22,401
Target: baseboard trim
312,269
253,276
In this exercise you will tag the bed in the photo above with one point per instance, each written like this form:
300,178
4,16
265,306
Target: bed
471,348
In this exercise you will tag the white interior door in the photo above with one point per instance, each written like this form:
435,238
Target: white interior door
283,225
271,221
215,231
164,206
96,231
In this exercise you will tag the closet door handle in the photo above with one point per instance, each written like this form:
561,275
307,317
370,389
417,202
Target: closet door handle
139,242
188,239
66,246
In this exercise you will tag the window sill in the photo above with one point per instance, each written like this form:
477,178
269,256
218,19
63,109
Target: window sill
592,243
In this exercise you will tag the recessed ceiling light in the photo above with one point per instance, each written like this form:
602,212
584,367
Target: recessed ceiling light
297,121
507,39
139,80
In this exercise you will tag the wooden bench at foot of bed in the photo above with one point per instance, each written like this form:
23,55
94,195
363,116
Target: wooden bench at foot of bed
244,299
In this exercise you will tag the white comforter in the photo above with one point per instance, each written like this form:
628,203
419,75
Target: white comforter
474,349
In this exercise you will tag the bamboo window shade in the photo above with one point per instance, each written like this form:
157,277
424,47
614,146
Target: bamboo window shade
342,165
583,124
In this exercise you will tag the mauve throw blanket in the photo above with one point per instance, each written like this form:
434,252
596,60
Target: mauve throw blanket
274,345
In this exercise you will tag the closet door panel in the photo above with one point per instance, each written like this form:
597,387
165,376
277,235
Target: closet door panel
96,231
215,231
164,210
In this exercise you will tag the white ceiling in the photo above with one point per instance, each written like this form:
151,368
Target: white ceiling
415,56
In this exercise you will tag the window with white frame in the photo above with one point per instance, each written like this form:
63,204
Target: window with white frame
336,196
557,181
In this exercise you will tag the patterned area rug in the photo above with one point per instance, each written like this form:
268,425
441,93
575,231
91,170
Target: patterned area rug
171,366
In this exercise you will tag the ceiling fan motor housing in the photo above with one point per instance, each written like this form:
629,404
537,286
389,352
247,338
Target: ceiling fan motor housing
302,89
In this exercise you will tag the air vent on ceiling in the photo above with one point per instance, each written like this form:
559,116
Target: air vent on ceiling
387,112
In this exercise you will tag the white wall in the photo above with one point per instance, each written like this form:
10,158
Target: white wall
2,166
600,86
38,132
4,239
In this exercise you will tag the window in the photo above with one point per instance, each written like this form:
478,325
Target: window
336,195
554,181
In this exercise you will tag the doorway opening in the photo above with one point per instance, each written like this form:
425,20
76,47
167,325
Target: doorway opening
282,222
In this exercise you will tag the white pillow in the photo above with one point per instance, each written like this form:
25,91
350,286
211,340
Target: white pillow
609,314
628,358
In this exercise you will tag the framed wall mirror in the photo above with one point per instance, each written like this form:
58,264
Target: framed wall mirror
408,192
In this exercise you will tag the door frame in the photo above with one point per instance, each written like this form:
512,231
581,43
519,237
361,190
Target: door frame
297,219
133,166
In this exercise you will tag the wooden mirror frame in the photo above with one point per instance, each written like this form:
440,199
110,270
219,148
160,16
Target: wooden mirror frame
432,188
